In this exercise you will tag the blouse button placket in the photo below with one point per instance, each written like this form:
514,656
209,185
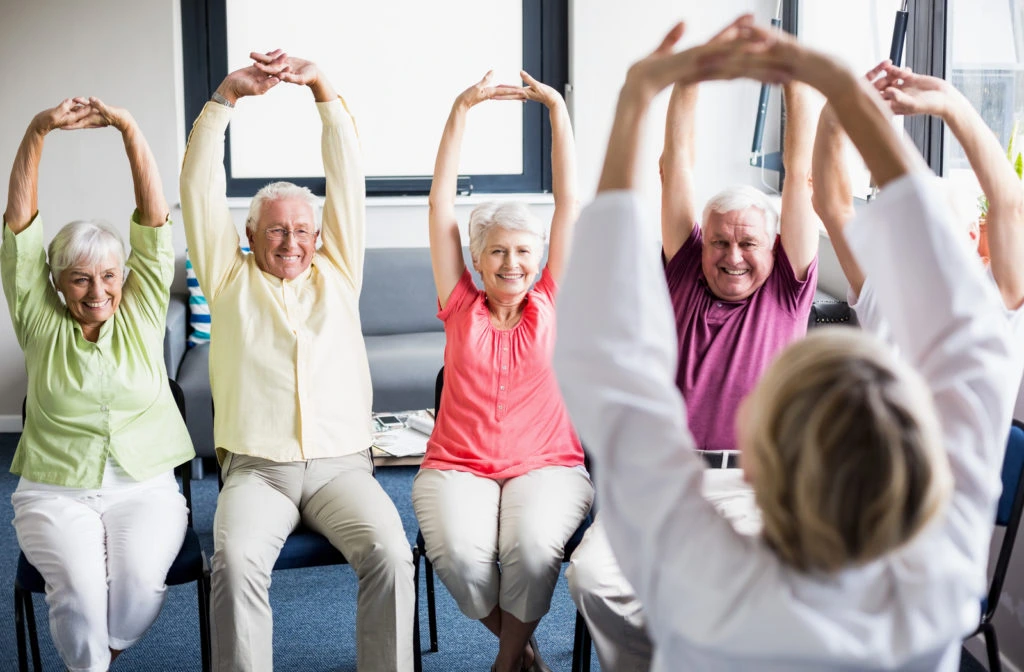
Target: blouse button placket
504,363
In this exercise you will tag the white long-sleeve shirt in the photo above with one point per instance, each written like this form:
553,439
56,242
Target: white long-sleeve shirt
717,600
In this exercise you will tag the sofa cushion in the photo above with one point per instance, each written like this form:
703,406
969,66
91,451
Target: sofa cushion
398,294
403,368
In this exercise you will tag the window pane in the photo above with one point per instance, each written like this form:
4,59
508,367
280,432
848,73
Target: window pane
984,62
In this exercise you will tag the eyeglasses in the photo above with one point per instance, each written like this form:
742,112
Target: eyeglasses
277,233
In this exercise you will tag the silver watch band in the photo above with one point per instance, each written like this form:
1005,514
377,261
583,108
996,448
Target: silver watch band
217,98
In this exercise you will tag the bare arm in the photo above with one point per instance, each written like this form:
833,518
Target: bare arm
563,174
798,227
445,241
678,200
833,194
23,190
910,93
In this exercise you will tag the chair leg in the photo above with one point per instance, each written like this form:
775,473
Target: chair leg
19,630
431,604
203,593
417,648
992,648
581,646
33,637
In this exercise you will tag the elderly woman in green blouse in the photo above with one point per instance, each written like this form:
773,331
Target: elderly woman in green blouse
97,510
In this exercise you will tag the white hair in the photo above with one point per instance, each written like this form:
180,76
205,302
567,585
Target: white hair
510,215
276,191
85,243
741,197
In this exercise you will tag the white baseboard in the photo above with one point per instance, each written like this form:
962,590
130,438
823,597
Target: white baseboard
10,423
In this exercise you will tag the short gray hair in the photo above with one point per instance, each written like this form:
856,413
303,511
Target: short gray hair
511,215
85,243
276,191
741,197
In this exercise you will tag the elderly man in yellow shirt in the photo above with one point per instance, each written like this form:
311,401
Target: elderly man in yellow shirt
291,382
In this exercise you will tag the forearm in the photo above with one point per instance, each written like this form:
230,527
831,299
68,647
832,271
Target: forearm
622,156
832,193
322,90
798,225
344,211
866,122
23,189
678,158
149,193
444,185
563,189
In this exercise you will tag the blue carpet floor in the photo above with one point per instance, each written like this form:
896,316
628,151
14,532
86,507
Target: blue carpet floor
314,609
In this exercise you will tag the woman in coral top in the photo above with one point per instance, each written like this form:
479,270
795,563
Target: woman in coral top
503,481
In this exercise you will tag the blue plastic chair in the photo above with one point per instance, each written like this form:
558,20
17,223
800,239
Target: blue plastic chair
190,565
1008,515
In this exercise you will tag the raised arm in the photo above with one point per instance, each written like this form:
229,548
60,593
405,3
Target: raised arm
832,194
209,228
910,93
563,173
445,241
678,201
798,225
344,212
23,190
149,192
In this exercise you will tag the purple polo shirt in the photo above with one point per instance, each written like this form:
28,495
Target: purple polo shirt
725,345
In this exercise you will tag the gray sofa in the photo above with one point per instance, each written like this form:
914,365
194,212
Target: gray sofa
404,340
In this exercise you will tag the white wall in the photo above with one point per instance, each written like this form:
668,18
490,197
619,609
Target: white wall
129,54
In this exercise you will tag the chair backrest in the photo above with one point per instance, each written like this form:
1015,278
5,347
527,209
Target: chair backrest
1008,514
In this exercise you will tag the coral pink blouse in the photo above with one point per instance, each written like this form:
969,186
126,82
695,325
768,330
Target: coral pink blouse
503,411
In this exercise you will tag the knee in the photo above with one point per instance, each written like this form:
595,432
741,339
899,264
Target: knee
533,557
238,561
389,554
582,575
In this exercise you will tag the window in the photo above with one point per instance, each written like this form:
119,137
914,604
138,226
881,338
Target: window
985,45
399,64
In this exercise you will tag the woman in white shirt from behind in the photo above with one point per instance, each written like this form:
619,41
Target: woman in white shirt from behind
877,476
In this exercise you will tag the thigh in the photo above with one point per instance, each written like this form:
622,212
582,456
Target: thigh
541,509
257,508
145,527
351,508
63,538
457,513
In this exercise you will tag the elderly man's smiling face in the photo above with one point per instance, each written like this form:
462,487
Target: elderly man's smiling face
285,237
737,256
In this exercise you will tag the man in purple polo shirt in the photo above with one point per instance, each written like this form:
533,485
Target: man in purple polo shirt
742,285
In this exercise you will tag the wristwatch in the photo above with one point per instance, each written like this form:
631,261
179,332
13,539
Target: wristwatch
217,98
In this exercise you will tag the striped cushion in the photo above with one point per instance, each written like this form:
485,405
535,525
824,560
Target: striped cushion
198,308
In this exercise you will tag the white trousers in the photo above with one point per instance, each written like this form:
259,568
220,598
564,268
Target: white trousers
472,525
607,601
259,506
104,555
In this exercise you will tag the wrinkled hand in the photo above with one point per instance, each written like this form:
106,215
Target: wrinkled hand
483,90
286,68
247,81
101,115
540,92
741,49
909,93
70,114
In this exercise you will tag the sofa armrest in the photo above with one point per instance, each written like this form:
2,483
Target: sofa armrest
175,333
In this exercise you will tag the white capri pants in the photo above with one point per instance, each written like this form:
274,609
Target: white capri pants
472,525
104,555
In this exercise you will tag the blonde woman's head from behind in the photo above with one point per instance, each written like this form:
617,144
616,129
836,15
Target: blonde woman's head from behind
843,448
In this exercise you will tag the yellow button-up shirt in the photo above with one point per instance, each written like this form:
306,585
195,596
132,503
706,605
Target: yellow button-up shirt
288,367
90,401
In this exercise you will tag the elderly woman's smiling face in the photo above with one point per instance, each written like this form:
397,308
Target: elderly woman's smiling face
92,293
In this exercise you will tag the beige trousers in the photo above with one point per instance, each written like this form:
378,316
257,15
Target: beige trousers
260,504
605,598
472,525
